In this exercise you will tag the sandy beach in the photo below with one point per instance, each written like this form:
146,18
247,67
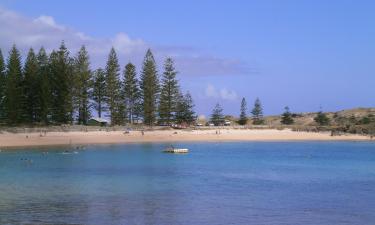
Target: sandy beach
117,137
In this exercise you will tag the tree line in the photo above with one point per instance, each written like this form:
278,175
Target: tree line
218,118
58,88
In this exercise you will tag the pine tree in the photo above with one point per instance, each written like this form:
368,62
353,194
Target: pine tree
190,116
185,109
44,109
82,85
257,113
61,72
243,117
31,88
98,93
2,88
53,70
217,116
131,92
322,119
287,118
114,98
169,93
14,98
149,86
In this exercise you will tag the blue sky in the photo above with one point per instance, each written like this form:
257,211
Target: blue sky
304,54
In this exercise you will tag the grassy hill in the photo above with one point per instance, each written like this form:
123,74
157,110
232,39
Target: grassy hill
358,120
351,116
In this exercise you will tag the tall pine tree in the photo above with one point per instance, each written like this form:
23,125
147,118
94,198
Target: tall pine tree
31,88
257,113
14,96
2,88
114,98
243,115
131,92
82,85
217,117
98,91
169,93
61,72
44,109
185,109
149,85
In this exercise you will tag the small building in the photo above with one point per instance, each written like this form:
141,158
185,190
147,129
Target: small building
137,121
97,122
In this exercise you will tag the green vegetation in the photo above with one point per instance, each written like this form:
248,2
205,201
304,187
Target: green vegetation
322,119
59,89
360,124
149,88
98,91
44,93
31,88
185,109
169,94
14,98
257,113
55,89
366,120
61,73
2,86
113,96
286,117
243,116
131,93
82,85
217,117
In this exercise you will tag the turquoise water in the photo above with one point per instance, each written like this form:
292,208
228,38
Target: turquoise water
226,183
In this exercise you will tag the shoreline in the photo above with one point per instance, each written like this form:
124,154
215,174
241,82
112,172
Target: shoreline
74,138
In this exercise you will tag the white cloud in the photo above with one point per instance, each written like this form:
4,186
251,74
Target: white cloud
223,93
211,91
228,94
45,31
49,21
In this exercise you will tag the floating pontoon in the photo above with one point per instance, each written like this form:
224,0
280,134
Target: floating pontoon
176,150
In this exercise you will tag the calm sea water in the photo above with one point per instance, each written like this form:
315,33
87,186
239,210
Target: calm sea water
226,183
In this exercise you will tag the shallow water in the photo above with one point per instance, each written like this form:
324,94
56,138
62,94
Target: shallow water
227,183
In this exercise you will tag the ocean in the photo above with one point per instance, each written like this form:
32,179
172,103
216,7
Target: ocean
317,183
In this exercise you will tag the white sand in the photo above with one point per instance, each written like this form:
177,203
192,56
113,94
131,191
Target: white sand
113,137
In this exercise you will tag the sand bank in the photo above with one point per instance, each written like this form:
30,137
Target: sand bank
117,137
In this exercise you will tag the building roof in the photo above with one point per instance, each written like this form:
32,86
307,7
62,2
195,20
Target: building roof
100,120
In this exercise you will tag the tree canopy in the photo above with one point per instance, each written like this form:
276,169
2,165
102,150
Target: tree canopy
321,119
57,88
150,87
243,115
169,94
113,95
257,113
286,117
217,117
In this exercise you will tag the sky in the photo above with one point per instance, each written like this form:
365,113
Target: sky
308,55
